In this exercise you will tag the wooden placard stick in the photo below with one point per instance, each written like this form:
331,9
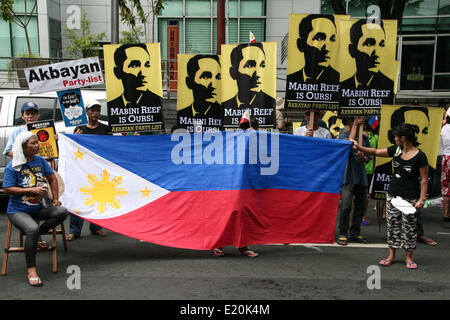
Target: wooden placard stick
311,120
360,133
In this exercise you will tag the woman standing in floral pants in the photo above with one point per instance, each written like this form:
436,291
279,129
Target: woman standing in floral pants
409,181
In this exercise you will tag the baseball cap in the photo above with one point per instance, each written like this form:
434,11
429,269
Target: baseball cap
91,103
29,105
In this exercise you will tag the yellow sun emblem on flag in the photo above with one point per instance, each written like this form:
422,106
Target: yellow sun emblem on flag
104,191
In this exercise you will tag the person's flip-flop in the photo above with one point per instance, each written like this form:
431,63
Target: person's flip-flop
359,239
35,282
342,240
71,237
427,241
386,262
249,253
43,246
218,252
411,265
99,233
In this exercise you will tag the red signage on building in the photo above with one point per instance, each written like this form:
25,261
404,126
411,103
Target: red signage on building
172,54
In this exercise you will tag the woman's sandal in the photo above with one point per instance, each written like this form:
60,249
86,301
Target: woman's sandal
386,262
35,282
427,241
411,265
342,241
218,252
246,252
43,246
71,237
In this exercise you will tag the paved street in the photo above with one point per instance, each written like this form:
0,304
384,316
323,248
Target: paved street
117,267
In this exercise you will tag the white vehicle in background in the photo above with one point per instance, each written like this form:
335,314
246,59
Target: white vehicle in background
11,101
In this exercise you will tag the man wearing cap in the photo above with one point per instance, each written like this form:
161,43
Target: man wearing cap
30,113
93,127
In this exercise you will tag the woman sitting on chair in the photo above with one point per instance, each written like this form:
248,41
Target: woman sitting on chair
24,181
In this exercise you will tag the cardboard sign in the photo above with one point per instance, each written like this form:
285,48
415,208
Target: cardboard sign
65,75
367,65
312,73
72,107
249,82
134,87
198,103
45,131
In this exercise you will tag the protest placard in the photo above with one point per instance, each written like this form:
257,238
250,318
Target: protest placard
45,131
64,75
134,87
72,107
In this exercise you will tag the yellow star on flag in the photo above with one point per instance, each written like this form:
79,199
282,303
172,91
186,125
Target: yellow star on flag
79,154
145,192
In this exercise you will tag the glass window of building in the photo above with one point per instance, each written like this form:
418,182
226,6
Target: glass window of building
12,36
197,20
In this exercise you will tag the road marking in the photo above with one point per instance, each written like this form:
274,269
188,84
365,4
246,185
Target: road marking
315,246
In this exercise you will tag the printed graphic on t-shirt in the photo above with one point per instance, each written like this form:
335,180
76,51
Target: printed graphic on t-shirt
31,177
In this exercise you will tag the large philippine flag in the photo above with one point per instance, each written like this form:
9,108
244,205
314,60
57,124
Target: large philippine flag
202,191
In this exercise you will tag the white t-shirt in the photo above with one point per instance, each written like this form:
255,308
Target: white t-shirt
445,139
319,133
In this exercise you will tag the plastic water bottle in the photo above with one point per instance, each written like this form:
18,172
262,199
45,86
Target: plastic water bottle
433,202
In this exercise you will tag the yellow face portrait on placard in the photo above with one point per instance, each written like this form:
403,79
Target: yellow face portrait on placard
428,119
199,78
313,39
248,66
367,46
137,64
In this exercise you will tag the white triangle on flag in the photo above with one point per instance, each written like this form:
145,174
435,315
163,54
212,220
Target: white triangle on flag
96,188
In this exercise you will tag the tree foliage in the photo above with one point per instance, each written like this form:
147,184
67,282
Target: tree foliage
83,44
133,36
131,12
7,13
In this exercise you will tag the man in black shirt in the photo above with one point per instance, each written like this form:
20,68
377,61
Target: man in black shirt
94,126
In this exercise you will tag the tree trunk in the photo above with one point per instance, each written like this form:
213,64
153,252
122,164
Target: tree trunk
153,21
385,8
397,12
338,7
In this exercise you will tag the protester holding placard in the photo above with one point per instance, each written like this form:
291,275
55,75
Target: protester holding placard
30,113
25,182
408,181
312,129
355,185
93,127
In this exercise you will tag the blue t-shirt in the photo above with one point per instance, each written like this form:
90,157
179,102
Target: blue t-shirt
29,175
355,170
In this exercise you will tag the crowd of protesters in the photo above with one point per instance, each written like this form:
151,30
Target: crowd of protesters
403,230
